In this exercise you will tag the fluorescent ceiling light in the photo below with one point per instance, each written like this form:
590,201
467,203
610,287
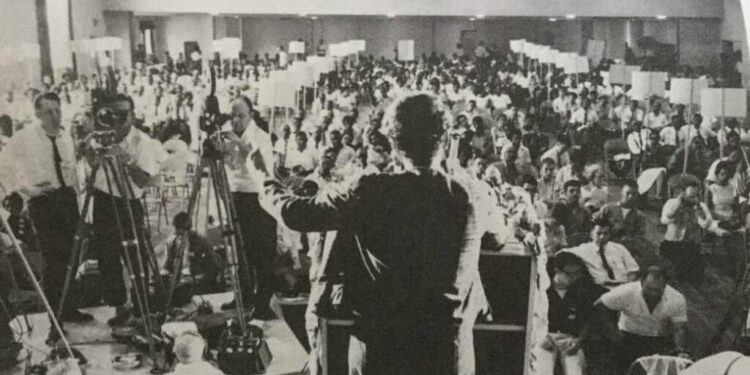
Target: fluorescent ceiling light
570,16
472,19
480,16
552,19
661,17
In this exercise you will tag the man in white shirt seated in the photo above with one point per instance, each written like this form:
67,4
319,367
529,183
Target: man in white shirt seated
668,135
609,263
631,114
637,142
301,160
344,155
653,317
656,120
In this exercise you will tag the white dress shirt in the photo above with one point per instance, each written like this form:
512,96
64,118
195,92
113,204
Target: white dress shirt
668,136
637,141
618,258
240,179
27,160
636,318
656,122
627,116
147,154
307,158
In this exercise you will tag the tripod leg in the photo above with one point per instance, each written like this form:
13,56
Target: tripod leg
230,243
236,228
182,244
78,239
139,287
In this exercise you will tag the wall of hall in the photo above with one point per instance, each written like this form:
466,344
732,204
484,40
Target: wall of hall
733,29
699,38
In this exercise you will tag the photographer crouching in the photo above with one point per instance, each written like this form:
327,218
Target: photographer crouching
140,156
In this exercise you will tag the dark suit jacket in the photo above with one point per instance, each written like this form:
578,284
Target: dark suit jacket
634,224
407,241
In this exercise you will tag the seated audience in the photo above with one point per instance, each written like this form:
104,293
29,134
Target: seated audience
609,263
623,216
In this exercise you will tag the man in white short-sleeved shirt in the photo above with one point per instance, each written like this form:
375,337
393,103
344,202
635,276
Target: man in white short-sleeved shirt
652,319
610,264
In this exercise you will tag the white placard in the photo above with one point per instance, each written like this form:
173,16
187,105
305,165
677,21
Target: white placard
266,93
406,50
570,60
680,89
545,55
296,47
517,45
719,102
531,50
227,47
561,58
645,84
621,74
285,94
582,64
360,45
301,74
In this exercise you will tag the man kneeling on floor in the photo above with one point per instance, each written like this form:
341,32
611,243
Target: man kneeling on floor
653,317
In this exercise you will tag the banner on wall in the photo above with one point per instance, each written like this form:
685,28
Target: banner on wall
406,50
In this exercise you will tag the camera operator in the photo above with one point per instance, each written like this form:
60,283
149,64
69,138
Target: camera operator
140,157
39,163
258,227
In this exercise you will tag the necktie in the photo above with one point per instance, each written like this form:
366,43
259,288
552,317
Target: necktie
58,160
607,267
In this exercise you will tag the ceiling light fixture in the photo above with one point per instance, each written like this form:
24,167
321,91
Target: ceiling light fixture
661,17
570,16
314,17
391,15
480,16
472,19
552,19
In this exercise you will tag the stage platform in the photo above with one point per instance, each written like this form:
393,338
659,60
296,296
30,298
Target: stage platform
94,341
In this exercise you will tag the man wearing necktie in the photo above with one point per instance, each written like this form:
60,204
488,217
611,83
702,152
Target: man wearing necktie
39,163
609,263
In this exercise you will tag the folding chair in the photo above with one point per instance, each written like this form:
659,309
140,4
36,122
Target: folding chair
659,365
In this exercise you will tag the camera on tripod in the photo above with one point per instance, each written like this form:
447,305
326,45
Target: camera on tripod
108,119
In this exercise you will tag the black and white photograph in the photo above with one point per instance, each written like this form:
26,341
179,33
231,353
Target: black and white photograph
350,187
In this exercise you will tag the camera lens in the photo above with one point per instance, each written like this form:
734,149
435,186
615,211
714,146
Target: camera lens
105,117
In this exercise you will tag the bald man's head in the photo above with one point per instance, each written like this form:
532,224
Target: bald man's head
242,111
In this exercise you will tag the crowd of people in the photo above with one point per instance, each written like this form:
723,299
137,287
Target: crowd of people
564,164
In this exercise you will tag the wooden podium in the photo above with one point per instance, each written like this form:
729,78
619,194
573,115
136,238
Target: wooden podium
501,347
